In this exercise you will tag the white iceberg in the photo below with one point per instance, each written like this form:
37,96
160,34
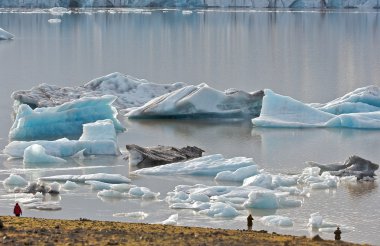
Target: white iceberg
201,101
270,200
142,192
316,221
358,109
15,180
219,209
98,185
129,92
103,177
4,35
35,153
310,177
65,120
207,165
98,138
276,220
54,21
69,185
44,205
238,175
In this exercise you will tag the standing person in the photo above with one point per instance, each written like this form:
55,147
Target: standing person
249,221
337,233
17,210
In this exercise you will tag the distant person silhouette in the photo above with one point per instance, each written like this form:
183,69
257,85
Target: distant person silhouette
17,210
337,233
249,222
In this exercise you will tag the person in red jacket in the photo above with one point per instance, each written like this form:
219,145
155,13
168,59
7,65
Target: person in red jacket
17,210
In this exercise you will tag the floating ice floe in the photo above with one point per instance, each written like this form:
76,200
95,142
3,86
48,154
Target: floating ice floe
69,185
208,165
44,205
98,138
35,153
97,185
238,175
201,101
270,181
65,120
136,215
270,200
360,109
4,35
129,92
172,220
220,209
316,221
111,193
103,177
142,192
59,11
276,220
15,180
54,21
310,177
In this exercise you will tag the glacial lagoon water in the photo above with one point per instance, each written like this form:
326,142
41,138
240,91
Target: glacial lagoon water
309,55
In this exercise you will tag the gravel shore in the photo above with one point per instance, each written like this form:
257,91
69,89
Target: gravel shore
36,231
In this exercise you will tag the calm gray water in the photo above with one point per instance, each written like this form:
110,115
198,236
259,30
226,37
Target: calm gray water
311,56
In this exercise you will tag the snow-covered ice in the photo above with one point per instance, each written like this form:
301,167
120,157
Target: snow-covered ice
103,177
128,91
65,120
201,101
207,165
98,138
358,109
4,35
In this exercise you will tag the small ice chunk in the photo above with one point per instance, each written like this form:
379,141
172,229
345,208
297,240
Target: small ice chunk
238,175
220,209
35,153
69,185
55,187
111,193
172,220
136,215
103,177
276,220
4,35
143,192
315,220
262,200
15,180
54,21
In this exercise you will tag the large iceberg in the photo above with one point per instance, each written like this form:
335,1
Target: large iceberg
129,92
98,138
192,3
201,101
208,165
65,120
4,35
360,110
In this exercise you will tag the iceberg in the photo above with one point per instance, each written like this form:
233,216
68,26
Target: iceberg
142,192
283,111
200,101
65,120
4,35
219,209
316,222
276,220
191,4
128,92
15,180
207,166
98,138
103,177
69,185
238,175
35,153
172,220
269,200
136,215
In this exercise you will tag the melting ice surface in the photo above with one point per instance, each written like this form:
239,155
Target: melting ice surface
358,109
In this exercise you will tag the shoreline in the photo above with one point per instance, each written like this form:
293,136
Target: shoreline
38,231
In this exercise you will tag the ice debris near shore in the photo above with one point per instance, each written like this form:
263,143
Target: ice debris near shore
172,220
98,138
276,220
4,35
296,4
65,120
208,166
135,215
128,92
358,109
201,101
316,221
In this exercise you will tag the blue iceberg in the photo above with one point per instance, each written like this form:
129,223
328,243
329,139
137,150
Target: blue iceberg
62,121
